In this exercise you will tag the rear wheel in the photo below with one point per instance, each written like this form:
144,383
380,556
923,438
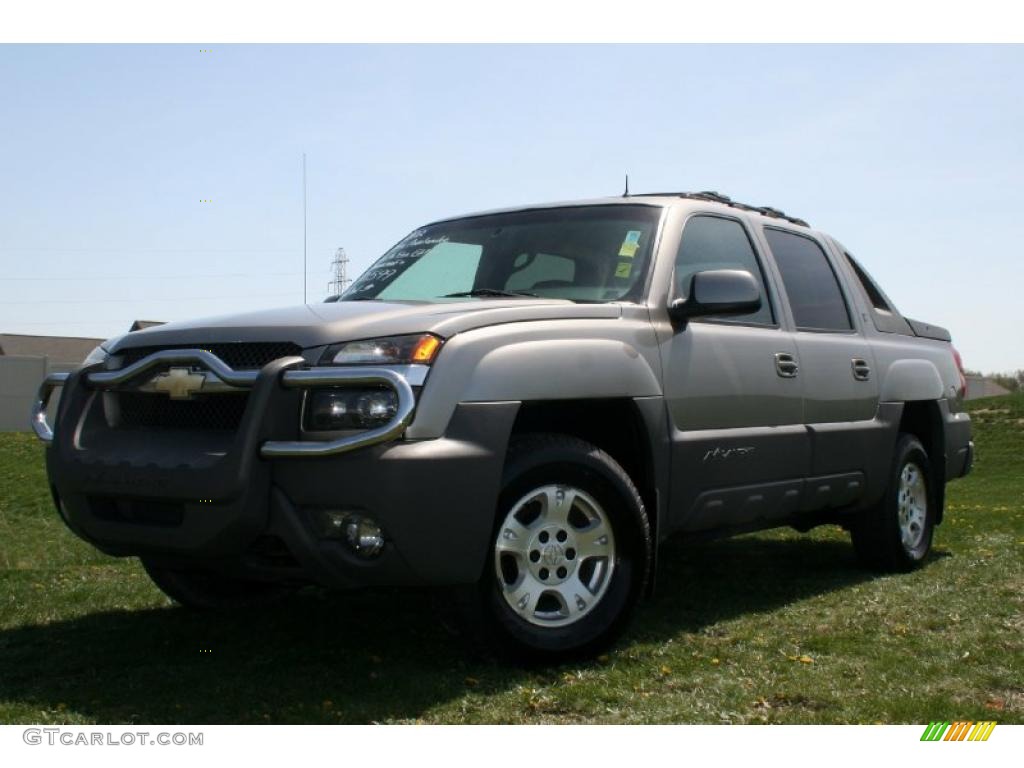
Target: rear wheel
896,534
207,590
571,550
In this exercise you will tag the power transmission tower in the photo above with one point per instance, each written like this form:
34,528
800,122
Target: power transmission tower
339,271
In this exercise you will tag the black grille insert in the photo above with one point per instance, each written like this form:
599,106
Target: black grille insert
138,511
271,552
242,356
213,412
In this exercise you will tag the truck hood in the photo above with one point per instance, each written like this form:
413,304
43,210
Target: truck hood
314,325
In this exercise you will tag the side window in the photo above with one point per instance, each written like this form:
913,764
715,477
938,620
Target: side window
814,293
711,242
871,290
541,270
446,268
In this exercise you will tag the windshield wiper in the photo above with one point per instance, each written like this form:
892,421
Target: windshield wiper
487,292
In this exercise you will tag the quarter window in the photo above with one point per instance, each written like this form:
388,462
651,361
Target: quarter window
813,290
712,242
871,290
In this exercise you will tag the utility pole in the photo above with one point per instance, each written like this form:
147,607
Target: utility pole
339,273
303,227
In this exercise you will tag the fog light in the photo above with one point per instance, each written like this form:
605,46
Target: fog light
362,534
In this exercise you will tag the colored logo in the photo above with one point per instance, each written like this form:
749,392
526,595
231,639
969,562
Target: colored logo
958,731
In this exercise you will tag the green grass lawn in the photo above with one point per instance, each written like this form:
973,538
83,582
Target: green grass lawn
774,627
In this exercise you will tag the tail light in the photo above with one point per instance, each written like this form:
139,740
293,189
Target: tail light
960,369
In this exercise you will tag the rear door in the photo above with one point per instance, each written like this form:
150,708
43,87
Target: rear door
739,447
836,365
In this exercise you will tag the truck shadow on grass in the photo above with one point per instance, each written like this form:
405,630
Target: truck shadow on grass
366,657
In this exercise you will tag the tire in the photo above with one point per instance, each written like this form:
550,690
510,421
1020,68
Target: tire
570,553
208,590
896,534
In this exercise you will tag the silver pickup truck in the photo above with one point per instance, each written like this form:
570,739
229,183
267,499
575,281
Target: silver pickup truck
521,404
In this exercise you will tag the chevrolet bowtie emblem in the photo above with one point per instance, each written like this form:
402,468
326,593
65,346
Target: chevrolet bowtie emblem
179,383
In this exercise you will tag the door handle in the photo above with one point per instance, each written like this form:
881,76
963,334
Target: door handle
861,369
786,365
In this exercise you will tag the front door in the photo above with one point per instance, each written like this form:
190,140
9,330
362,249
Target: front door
733,389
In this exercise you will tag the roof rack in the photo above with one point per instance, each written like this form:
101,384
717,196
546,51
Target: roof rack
716,197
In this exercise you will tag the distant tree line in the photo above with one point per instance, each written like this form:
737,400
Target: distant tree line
1013,381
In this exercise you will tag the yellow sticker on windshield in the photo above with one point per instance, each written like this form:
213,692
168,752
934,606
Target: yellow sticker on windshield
624,268
630,244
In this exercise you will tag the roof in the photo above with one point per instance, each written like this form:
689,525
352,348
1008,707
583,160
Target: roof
714,199
59,349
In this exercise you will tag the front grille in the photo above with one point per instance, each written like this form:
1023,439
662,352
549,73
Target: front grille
242,356
217,412
204,412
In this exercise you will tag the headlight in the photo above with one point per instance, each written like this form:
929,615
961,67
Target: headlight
394,350
95,357
342,408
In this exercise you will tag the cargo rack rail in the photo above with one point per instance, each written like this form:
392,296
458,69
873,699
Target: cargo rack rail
715,197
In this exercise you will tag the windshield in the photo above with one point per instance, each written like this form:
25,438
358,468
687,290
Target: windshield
589,253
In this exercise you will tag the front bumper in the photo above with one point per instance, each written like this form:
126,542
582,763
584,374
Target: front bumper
248,504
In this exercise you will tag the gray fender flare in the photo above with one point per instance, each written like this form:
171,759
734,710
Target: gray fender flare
908,380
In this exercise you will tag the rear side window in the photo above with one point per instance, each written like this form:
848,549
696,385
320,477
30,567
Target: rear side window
711,242
813,290
871,290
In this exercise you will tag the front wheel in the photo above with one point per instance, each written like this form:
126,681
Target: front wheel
571,550
896,534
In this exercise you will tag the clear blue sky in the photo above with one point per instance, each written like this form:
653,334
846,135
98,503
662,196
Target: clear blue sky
912,156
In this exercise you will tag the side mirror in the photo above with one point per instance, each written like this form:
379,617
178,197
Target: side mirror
718,292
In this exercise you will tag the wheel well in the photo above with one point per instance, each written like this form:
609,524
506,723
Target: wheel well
923,419
615,426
